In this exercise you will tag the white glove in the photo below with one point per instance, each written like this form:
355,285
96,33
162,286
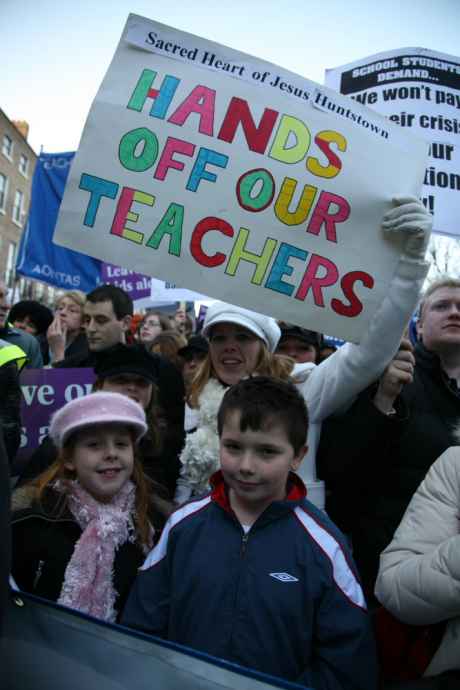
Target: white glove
410,218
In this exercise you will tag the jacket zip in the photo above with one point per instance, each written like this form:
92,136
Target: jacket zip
38,574
244,542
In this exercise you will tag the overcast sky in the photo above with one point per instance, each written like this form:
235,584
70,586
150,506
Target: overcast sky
54,54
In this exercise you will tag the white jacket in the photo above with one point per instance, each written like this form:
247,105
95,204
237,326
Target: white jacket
419,577
332,386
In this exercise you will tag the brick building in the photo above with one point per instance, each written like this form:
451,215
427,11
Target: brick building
17,164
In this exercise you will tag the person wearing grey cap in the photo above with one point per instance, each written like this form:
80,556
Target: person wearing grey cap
298,343
243,343
192,355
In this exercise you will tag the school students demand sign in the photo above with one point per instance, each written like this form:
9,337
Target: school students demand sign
419,90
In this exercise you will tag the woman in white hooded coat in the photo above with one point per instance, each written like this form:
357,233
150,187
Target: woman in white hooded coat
327,388
419,576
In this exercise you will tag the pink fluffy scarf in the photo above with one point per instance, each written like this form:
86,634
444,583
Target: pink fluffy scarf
88,580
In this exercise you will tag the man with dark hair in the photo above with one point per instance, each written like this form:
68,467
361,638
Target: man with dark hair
121,302
106,319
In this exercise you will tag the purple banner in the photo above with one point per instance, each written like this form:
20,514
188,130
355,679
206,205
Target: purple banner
43,392
135,284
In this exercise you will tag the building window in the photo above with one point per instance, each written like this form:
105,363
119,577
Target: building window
39,290
3,192
17,207
7,147
51,295
10,264
23,165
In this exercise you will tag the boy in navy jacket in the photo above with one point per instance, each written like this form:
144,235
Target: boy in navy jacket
253,572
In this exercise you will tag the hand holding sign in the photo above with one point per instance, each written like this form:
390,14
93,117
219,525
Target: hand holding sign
411,218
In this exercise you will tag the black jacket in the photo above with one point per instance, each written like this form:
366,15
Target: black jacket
10,435
43,540
5,531
78,347
373,463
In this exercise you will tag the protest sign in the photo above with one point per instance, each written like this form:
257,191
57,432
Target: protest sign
163,291
135,284
44,391
419,90
230,176
38,257
140,287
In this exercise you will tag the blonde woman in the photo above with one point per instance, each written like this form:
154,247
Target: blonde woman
65,335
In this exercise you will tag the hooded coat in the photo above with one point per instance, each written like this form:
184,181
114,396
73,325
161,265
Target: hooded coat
419,576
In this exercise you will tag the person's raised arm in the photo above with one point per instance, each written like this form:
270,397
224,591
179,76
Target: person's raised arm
56,336
334,383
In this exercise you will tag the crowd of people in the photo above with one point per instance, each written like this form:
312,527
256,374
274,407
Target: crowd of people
244,488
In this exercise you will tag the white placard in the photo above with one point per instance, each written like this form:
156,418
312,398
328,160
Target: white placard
419,90
234,178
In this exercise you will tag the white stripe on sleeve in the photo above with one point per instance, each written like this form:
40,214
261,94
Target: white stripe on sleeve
341,571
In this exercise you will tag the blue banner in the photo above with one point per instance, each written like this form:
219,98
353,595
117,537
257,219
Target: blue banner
38,257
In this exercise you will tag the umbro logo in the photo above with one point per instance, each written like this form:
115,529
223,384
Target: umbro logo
284,577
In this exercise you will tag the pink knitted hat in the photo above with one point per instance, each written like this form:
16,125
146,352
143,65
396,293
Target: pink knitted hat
97,408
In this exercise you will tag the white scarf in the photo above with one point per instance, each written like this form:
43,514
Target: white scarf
200,455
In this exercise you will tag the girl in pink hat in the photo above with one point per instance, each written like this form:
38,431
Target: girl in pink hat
82,528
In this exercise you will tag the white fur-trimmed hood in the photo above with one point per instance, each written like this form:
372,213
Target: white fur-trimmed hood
200,455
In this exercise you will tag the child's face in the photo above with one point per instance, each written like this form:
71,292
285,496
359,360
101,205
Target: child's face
103,459
256,464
